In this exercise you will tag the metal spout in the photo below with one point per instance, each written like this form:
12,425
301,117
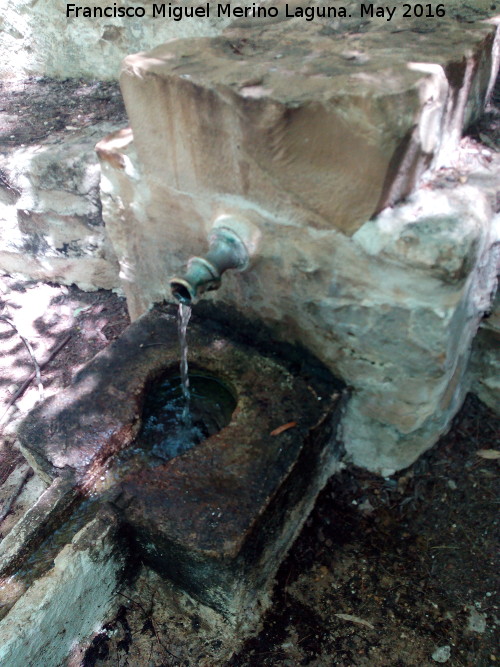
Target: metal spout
226,251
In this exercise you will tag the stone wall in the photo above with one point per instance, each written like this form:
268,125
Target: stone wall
51,226
37,38
486,357
66,604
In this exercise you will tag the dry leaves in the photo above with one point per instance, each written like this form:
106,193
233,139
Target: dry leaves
283,427
491,454
355,619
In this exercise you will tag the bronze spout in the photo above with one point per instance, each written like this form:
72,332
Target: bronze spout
226,251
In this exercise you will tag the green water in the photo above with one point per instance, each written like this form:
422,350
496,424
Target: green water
165,431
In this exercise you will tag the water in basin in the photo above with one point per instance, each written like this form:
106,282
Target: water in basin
165,431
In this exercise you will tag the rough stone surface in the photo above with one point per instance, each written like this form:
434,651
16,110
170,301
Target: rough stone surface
32,487
442,654
486,359
219,521
51,226
35,525
68,603
311,127
223,541
390,304
420,348
100,413
38,39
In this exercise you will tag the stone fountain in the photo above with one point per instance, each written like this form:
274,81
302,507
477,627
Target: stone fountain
372,233
376,228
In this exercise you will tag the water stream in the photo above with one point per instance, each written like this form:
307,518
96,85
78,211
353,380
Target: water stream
184,317
181,410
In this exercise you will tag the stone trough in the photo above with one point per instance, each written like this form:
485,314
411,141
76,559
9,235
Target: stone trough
216,519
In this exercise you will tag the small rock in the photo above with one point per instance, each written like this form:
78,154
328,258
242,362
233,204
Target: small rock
491,454
477,621
442,654
366,506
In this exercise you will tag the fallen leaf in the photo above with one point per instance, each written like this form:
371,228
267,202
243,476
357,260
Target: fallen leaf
488,453
282,428
355,619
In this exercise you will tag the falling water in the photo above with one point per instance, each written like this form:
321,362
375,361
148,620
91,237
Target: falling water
184,316
183,411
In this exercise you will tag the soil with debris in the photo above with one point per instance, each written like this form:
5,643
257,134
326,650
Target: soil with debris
392,571
33,109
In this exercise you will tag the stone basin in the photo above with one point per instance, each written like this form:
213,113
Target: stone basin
217,519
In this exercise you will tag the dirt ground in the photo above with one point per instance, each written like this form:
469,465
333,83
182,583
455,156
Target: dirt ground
33,109
386,572
64,327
